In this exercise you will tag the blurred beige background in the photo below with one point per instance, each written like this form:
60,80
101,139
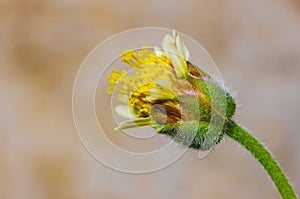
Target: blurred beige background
256,45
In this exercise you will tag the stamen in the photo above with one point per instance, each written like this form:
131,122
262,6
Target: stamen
114,79
142,57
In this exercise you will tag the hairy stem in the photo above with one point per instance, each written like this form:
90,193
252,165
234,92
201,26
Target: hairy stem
265,158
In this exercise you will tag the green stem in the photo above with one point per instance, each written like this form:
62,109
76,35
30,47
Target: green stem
265,158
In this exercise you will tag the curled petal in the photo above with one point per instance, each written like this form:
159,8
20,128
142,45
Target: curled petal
166,42
179,46
177,52
182,48
134,123
186,52
179,64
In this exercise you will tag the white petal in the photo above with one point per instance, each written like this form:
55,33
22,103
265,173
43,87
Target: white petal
186,52
158,51
171,49
166,42
174,34
175,50
125,111
179,46
179,65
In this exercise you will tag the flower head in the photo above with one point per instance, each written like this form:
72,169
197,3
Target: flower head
168,93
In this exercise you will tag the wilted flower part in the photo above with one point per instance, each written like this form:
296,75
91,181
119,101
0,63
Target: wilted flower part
168,93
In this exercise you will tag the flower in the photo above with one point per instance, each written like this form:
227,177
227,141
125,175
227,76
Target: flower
170,94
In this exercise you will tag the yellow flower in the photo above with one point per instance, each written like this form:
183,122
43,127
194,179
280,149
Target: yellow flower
167,92
158,76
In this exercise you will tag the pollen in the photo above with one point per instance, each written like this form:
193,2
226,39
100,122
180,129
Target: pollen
139,100
143,56
113,79
148,68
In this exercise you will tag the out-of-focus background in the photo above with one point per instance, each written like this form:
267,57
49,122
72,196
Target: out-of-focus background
256,45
